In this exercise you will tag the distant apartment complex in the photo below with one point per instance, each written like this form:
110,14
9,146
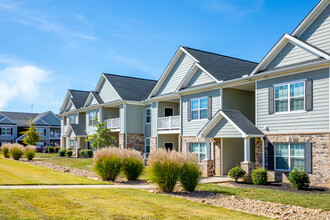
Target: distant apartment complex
12,124
228,111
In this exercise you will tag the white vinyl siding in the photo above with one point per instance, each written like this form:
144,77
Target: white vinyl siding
154,110
224,129
316,120
176,75
106,92
135,120
200,78
317,34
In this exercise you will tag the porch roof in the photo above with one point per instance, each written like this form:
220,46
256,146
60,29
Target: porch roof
236,119
78,130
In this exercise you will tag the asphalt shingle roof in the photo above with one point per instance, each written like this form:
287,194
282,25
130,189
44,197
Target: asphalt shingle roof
220,66
79,97
131,88
22,118
97,97
78,130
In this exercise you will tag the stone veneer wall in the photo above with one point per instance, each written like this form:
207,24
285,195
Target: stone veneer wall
217,156
190,139
135,141
320,153
153,143
121,141
258,152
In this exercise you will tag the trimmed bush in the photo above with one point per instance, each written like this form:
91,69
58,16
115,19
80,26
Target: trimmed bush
165,167
132,164
5,151
190,175
108,162
259,176
299,179
86,153
69,153
51,149
57,149
62,152
236,173
30,154
16,151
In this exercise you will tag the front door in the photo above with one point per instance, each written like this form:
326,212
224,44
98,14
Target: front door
169,112
169,146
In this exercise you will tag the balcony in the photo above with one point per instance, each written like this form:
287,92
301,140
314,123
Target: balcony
171,123
113,123
55,135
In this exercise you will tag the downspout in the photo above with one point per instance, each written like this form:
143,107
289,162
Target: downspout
263,152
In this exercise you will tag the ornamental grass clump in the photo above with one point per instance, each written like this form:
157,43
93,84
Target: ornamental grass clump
236,173
30,152
5,151
165,167
16,151
190,173
108,162
132,164
259,177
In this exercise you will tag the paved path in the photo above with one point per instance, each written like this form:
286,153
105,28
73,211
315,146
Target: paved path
115,186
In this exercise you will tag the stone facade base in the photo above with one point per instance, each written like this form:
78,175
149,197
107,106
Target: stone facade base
207,168
121,141
248,167
135,141
153,144
190,139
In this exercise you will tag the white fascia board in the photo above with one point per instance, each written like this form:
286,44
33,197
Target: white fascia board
186,52
308,20
65,101
5,117
88,99
111,86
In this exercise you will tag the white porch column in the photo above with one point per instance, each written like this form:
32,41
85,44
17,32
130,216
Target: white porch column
208,150
100,115
246,149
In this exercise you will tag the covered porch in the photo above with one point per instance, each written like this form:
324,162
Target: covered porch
231,140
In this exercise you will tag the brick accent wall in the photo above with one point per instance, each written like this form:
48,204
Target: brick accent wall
320,153
258,152
135,141
153,143
217,156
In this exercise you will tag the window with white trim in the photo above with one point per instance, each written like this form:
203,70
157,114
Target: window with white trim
148,115
6,131
199,108
289,156
92,118
199,150
72,119
72,144
290,97
147,145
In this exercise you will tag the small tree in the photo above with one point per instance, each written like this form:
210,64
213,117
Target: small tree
102,136
31,134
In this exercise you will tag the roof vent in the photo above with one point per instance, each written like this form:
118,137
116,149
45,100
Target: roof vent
244,76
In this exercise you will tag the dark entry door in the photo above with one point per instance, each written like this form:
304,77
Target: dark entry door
169,112
169,146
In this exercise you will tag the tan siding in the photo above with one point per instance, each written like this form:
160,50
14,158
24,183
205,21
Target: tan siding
134,117
163,105
233,153
224,129
168,138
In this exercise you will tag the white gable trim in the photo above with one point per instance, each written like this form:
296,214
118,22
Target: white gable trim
65,102
70,103
310,18
90,96
286,38
168,69
5,117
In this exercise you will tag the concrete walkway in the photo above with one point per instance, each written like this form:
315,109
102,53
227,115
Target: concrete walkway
217,179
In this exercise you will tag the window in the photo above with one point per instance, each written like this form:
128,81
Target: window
41,131
72,119
199,150
199,108
92,118
147,145
148,115
72,144
169,112
290,97
6,131
289,156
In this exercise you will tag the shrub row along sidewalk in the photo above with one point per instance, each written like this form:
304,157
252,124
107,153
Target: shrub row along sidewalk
256,207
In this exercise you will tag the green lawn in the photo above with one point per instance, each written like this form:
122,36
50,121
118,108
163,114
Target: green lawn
18,173
80,163
105,204
313,200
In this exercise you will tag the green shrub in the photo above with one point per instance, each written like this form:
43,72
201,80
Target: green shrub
69,153
51,149
259,177
30,154
190,176
299,179
5,151
62,152
164,168
236,173
57,149
108,162
17,151
132,164
86,153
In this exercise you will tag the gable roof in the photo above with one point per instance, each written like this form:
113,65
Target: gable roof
94,95
235,118
131,88
222,67
22,118
78,97
6,121
77,129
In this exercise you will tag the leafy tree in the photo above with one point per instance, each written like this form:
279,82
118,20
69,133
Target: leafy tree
31,134
102,136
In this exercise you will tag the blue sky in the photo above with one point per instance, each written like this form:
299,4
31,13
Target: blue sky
49,46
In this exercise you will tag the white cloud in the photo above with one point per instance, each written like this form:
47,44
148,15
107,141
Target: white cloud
21,82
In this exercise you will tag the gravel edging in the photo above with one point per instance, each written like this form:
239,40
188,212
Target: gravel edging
256,207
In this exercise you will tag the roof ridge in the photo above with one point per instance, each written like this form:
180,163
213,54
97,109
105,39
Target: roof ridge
76,90
221,55
20,112
132,77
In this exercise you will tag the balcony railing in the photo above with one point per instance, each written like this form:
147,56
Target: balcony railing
113,123
55,135
169,123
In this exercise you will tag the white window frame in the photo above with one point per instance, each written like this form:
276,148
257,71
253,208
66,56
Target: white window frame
92,120
199,109
289,97
6,133
289,156
74,143
145,145
146,116
199,150
70,117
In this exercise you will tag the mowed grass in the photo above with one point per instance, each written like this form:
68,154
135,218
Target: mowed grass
18,173
80,163
311,200
105,204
